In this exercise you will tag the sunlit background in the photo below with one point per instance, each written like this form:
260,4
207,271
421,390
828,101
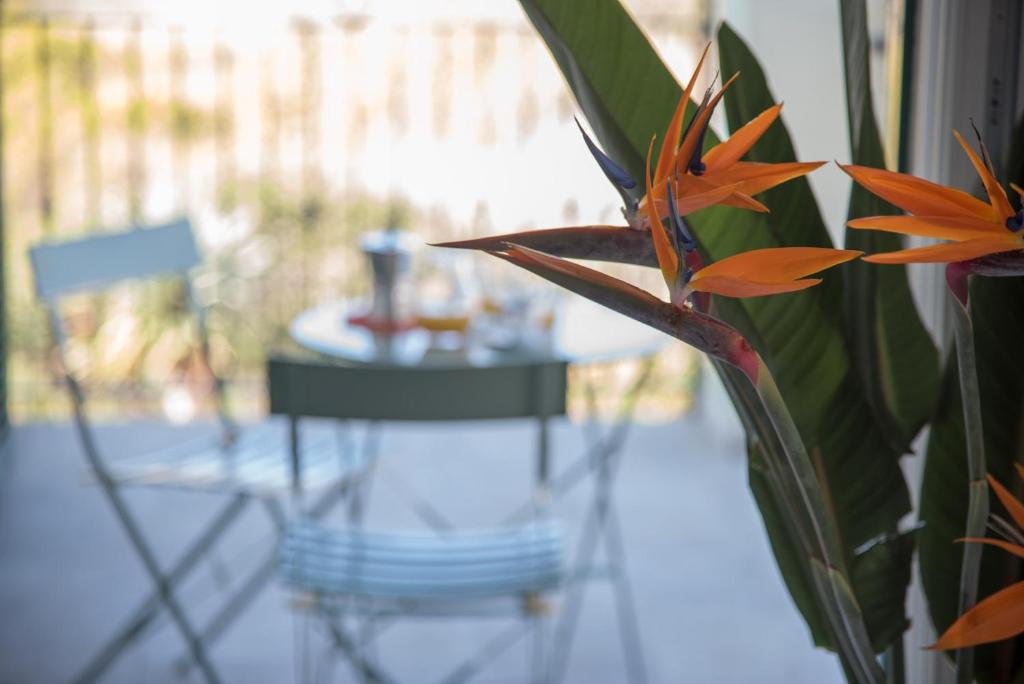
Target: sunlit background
287,134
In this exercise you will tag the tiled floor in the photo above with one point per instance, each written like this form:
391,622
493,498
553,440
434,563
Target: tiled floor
711,604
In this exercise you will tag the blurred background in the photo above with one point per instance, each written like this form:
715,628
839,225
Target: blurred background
288,134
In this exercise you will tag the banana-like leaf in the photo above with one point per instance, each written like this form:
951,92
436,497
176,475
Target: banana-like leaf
882,599
627,95
995,309
894,355
858,466
995,305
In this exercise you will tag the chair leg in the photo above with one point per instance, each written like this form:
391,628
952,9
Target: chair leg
566,626
365,670
144,616
233,607
489,652
245,594
629,627
163,587
365,644
601,524
538,650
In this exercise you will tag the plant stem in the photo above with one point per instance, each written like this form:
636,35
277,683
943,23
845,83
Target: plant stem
802,497
895,671
977,487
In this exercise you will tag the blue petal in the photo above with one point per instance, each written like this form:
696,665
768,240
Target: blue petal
615,173
683,236
696,166
1015,222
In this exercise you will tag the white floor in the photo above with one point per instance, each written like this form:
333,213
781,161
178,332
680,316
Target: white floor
711,603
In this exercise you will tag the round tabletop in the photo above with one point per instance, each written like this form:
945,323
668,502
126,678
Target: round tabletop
583,332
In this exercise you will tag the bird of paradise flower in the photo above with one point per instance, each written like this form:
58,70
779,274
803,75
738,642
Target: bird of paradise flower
1001,615
982,238
683,181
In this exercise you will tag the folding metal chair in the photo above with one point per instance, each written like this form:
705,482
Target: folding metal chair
381,575
246,464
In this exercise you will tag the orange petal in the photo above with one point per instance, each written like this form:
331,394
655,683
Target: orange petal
998,617
1015,549
691,186
996,194
731,286
693,135
918,196
669,146
755,177
1020,469
687,204
930,226
947,252
728,152
777,264
675,128
667,259
743,201
1013,506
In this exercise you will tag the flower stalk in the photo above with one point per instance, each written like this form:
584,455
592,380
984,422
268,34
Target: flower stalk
798,482
977,487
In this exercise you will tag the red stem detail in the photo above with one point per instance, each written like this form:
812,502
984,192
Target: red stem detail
956,279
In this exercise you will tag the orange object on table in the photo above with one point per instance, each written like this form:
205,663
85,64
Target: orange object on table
438,323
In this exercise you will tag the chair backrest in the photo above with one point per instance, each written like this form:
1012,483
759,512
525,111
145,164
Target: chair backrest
300,387
99,261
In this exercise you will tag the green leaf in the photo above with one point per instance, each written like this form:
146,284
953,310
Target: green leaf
995,305
792,564
857,464
846,594
627,95
998,328
882,599
895,358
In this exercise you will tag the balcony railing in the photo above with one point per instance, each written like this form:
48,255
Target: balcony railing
283,137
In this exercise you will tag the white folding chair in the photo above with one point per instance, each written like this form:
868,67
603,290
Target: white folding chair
246,464
376,575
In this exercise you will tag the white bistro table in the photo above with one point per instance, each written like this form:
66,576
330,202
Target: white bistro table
583,332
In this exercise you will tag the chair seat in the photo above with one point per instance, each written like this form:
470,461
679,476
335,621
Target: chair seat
423,566
256,462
